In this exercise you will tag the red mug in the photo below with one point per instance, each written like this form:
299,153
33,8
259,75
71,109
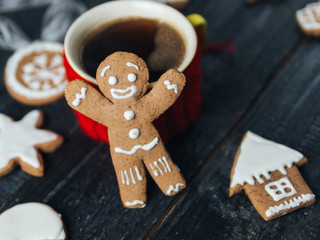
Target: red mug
187,108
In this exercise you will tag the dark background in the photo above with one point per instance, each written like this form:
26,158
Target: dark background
270,85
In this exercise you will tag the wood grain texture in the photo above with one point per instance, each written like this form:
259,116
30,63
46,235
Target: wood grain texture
79,179
287,112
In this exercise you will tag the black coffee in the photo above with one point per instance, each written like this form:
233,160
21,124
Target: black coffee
161,46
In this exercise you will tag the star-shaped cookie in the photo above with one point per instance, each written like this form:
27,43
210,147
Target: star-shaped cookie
21,140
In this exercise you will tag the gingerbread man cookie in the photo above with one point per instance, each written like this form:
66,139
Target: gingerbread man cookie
128,112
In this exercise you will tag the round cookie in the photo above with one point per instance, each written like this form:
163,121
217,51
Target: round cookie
35,74
31,221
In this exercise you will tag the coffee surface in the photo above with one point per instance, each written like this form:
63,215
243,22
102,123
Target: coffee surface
159,44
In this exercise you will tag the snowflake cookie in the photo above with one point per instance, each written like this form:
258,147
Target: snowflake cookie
20,141
35,74
31,221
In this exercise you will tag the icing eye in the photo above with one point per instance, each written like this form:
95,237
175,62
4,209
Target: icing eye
132,77
112,80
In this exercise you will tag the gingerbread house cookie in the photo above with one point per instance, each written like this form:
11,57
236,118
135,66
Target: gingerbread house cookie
268,173
308,19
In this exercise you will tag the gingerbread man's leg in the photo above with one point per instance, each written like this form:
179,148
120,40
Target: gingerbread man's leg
163,170
131,180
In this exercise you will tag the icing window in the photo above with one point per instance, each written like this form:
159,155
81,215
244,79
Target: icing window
280,189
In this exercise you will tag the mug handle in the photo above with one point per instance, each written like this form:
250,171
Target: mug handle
200,25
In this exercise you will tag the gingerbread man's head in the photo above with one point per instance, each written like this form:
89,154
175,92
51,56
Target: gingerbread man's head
122,76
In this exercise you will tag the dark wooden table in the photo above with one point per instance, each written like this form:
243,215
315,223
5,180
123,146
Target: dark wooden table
271,86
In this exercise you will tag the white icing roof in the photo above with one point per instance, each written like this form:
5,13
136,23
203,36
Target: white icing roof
259,156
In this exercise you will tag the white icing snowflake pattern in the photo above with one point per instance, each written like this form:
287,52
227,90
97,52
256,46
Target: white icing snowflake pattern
44,72
35,74
18,139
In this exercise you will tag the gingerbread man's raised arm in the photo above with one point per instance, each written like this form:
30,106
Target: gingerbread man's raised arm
87,100
164,93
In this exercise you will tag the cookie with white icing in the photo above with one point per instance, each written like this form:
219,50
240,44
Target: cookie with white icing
32,221
125,107
308,19
35,74
268,173
21,140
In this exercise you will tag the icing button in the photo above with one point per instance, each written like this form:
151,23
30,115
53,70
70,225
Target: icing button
134,133
132,77
129,115
112,80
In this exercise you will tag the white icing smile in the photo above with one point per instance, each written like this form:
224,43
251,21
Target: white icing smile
123,93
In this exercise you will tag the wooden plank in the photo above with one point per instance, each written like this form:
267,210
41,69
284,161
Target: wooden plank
80,181
288,112
232,83
78,151
116,224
